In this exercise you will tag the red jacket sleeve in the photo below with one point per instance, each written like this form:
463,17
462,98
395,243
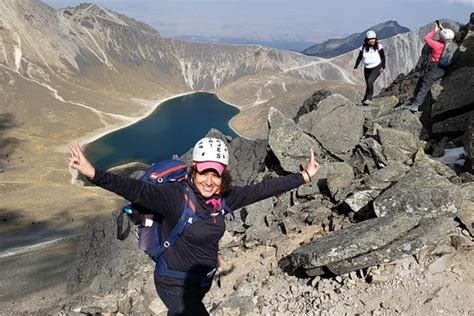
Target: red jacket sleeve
436,47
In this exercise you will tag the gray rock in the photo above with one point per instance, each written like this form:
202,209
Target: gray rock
385,177
380,107
308,190
288,142
292,224
256,212
337,124
371,145
317,215
91,310
339,178
402,120
398,145
235,224
427,233
151,300
466,210
235,305
125,305
103,257
469,142
421,190
311,103
458,93
258,230
245,171
360,199
455,124
355,240
441,264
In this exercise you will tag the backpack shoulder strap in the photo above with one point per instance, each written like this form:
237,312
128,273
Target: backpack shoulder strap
187,218
226,208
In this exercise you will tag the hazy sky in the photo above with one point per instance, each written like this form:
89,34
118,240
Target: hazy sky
306,20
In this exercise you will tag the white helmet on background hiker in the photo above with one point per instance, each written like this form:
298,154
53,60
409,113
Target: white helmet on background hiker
210,153
371,34
446,34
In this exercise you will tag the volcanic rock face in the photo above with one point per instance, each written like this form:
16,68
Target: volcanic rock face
410,203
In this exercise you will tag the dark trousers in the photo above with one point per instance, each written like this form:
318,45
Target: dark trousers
433,73
370,75
183,304
183,297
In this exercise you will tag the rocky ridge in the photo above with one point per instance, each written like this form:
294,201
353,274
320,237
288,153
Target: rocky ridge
386,227
339,46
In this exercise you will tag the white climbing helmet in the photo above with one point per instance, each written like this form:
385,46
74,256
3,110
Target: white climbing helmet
446,34
210,153
371,34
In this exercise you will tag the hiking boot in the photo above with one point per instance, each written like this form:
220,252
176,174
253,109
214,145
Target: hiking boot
412,107
367,102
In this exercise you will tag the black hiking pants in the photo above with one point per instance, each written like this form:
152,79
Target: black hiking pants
370,75
183,297
433,73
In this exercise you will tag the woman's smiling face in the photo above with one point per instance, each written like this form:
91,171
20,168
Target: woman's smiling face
208,182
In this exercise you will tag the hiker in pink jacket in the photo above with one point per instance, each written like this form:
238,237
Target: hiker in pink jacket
434,71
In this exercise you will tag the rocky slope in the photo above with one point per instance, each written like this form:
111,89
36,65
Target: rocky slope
335,47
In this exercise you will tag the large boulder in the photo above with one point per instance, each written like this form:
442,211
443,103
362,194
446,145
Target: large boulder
339,177
422,190
353,241
337,124
455,125
245,171
458,93
465,56
380,107
288,142
311,103
398,145
371,242
118,271
387,176
429,233
399,119
255,221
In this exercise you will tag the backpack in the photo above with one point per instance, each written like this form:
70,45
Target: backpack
447,55
149,228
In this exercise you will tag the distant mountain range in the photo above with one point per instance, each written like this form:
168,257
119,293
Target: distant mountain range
339,46
287,44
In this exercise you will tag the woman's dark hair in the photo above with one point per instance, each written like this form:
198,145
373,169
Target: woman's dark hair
226,185
367,45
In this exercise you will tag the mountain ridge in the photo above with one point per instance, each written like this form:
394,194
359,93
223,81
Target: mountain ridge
335,47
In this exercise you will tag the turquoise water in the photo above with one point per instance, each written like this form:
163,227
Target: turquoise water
173,128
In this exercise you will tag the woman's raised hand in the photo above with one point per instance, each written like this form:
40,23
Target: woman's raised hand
311,168
79,162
